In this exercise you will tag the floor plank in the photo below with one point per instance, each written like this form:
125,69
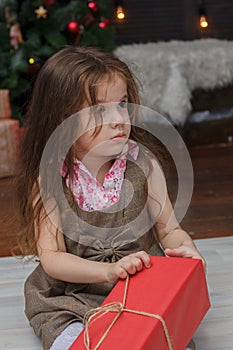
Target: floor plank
216,330
214,333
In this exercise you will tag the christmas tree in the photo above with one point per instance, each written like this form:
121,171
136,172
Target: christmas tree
32,30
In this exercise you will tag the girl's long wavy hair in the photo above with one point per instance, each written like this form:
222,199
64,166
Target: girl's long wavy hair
67,80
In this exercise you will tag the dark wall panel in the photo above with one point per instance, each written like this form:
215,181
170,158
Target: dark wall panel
156,20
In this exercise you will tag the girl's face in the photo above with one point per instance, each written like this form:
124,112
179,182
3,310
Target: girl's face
114,124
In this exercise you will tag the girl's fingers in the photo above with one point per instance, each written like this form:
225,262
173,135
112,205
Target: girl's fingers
173,252
186,253
144,257
179,252
134,265
122,273
135,262
128,265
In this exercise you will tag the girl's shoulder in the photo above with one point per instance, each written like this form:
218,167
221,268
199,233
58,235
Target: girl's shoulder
143,164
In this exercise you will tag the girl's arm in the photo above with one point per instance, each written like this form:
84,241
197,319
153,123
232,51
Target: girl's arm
172,237
60,264
174,240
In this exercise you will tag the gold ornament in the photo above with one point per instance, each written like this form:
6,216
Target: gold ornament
41,12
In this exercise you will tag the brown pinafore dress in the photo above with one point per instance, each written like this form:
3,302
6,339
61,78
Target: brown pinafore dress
50,304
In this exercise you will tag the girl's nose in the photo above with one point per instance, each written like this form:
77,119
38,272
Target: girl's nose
119,117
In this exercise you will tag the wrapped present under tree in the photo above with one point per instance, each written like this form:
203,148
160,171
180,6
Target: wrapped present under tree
10,137
9,146
5,108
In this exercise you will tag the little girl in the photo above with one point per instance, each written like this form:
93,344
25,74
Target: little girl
104,185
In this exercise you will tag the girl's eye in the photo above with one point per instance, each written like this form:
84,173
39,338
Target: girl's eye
122,104
99,109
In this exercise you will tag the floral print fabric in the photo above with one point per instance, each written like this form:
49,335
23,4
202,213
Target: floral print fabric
89,193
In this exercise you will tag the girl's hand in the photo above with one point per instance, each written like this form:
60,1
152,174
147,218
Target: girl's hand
185,252
128,265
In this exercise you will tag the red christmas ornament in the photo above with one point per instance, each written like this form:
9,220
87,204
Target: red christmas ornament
104,22
93,6
49,2
73,27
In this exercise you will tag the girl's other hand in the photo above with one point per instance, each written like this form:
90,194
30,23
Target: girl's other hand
185,252
128,265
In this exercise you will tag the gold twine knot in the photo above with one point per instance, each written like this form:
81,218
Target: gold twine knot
118,307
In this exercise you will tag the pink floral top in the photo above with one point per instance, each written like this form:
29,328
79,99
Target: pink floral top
89,193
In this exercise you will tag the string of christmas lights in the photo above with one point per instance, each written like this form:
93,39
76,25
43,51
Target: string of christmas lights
31,31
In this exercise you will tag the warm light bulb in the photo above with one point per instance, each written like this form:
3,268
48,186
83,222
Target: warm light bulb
31,60
120,13
203,22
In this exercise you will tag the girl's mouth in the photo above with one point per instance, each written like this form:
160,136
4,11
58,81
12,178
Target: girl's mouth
119,137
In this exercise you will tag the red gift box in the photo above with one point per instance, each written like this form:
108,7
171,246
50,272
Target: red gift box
174,290
5,108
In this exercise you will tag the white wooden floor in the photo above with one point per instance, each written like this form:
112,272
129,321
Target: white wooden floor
214,333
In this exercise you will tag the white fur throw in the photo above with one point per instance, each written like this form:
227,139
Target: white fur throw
170,71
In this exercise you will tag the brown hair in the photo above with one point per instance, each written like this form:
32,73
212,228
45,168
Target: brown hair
64,83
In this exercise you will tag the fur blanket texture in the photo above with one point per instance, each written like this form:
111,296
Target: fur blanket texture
170,71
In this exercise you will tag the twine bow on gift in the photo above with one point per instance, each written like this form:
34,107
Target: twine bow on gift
118,307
